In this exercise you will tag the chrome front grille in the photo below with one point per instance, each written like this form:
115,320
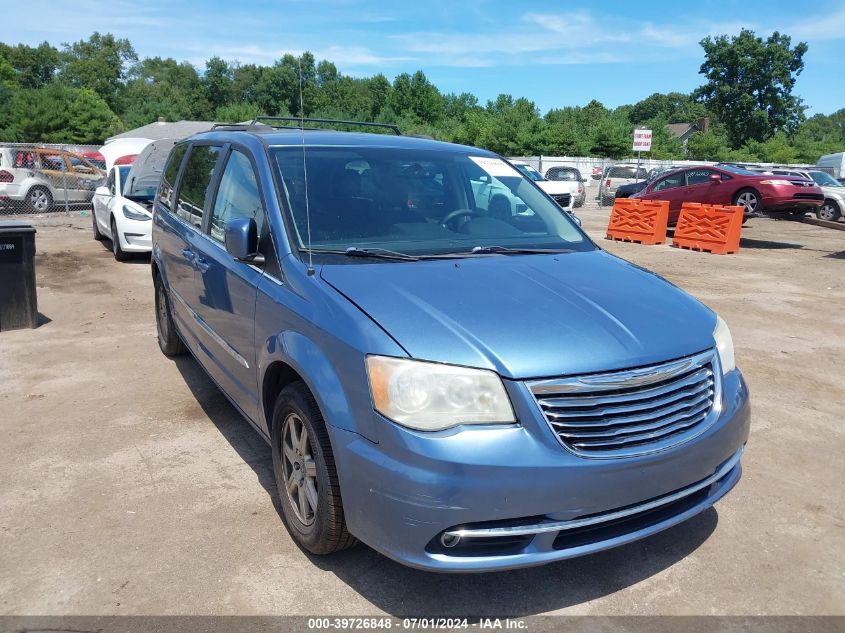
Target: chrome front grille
562,199
634,411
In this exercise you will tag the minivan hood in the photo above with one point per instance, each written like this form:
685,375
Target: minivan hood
528,316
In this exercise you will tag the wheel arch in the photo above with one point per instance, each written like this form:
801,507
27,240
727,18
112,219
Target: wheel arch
290,356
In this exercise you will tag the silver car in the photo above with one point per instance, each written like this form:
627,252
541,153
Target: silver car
834,191
33,179
617,175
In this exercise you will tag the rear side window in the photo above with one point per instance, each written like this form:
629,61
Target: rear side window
195,183
168,179
626,172
670,182
237,196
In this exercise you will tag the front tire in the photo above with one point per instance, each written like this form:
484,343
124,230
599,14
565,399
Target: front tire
306,477
749,200
829,211
168,339
119,254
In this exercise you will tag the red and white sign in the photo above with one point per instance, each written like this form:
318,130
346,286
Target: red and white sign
642,140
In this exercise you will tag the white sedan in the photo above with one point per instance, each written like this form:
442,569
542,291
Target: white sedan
122,217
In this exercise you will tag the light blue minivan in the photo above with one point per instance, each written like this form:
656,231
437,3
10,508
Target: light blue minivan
460,383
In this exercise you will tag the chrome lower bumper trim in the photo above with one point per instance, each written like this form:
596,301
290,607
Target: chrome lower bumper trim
557,526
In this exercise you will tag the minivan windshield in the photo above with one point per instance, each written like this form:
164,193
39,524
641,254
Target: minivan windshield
418,202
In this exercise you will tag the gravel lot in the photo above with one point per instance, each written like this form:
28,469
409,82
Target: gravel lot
128,484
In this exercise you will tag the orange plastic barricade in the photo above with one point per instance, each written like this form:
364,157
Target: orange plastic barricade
709,227
642,221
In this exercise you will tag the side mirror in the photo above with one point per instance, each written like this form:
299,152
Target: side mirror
576,218
714,178
241,239
102,191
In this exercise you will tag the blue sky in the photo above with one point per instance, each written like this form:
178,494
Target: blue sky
556,54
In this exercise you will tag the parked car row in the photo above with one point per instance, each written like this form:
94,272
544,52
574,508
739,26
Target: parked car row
757,193
444,364
34,179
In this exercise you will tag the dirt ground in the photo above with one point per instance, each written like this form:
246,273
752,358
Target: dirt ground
128,484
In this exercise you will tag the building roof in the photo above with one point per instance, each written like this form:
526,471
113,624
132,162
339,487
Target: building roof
165,129
682,130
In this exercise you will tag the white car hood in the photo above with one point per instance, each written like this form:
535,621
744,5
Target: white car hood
556,187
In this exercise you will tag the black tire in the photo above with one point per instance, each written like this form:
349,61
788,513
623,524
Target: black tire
97,235
39,200
119,254
168,338
829,211
750,201
322,530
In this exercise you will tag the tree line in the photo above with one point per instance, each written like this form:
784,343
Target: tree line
85,91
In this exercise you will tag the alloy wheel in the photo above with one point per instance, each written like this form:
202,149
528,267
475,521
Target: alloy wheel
827,212
300,469
748,201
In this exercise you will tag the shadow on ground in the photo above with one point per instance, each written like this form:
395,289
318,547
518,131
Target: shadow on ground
402,591
747,242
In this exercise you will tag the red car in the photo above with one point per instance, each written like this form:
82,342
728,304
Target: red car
758,194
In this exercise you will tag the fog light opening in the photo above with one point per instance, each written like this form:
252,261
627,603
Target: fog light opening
449,540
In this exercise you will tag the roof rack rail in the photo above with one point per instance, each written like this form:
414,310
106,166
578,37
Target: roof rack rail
268,120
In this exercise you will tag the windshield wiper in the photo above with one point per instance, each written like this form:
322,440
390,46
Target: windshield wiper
354,251
505,250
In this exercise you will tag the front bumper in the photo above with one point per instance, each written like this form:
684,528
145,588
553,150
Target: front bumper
786,203
402,495
135,235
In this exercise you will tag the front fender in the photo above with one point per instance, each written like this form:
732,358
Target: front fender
323,379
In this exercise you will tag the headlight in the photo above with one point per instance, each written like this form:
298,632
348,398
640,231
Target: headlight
131,214
724,345
775,182
432,397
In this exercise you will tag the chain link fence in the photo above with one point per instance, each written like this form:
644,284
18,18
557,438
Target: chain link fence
48,178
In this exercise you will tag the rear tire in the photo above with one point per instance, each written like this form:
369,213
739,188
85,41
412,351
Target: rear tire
168,339
39,200
829,211
306,477
119,254
96,229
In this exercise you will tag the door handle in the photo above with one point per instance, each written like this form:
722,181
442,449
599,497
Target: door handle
202,264
188,254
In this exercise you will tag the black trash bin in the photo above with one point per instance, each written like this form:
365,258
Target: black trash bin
18,302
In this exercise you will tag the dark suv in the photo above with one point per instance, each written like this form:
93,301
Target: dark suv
444,364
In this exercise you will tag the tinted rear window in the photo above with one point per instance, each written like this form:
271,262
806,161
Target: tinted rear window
168,180
195,183
626,172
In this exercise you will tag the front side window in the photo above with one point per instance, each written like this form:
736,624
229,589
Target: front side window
195,183
237,196
670,182
168,179
122,173
417,202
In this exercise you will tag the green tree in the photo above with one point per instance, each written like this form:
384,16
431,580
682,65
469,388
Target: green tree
34,66
58,114
709,145
749,84
99,63
675,107
237,112
217,82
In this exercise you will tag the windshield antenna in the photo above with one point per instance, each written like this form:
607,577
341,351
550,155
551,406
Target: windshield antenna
305,170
